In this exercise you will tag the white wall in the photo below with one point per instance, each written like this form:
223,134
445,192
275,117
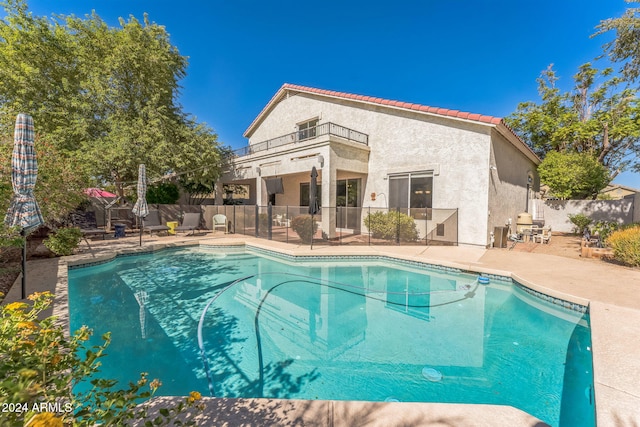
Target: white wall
556,212
508,182
456,152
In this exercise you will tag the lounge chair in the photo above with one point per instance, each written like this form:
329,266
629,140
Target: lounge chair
190,222
152,223
220,220
87,223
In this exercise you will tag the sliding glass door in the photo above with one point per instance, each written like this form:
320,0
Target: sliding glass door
348,203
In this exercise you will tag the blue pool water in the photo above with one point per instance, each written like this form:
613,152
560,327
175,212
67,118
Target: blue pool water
347,329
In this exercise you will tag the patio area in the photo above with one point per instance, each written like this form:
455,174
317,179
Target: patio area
612,291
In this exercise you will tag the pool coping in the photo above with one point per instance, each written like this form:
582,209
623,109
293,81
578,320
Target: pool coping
612,292
489,415
570,302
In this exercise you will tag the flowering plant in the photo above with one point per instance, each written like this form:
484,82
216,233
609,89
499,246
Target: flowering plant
40,365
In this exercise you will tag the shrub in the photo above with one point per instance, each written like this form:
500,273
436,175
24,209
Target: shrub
305,226
39,366
164,193
387,226
604,229
580,222
64,241
626,245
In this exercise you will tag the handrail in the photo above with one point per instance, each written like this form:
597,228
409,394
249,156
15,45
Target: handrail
304,135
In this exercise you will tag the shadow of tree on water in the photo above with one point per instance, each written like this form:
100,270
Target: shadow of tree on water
225,346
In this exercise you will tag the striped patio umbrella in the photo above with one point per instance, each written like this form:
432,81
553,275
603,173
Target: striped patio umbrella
24,211
141,209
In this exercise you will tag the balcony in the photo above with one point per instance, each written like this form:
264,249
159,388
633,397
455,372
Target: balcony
304,135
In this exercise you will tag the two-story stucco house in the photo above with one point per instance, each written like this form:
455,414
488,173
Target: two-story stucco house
388,154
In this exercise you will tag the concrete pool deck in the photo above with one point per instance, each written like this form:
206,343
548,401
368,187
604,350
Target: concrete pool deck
613,293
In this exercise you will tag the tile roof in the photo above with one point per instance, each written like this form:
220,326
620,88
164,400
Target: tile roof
398,104
490,120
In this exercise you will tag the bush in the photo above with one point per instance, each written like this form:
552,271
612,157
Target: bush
64,241
305,226
387,226
39,365
163,193
580,222
604,229
626,245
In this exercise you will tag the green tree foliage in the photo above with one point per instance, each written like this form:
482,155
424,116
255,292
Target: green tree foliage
103,95
573,175
598,118
625,48
58,187
164,193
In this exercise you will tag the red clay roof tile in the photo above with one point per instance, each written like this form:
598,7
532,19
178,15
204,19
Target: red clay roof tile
407,105
373,100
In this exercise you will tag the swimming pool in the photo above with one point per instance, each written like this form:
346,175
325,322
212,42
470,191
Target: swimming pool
345,328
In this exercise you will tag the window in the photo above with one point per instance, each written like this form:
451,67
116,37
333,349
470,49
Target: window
307,130
304,194
411,191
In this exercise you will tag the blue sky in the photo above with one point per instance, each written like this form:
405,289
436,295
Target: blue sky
481,56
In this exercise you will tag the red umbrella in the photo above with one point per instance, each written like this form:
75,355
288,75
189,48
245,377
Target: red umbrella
97,192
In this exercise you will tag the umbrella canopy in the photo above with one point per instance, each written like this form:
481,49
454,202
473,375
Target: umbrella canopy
98,192
140,209
313,193
24,210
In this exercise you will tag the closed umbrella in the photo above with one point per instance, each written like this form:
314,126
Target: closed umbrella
313,198
24,211
140,209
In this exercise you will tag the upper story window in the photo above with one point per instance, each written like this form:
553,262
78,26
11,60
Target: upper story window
307,129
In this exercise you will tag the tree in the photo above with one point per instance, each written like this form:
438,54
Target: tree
625,48
598,117
58,187
105,96
573,175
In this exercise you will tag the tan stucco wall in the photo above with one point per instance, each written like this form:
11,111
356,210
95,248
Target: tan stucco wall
508,182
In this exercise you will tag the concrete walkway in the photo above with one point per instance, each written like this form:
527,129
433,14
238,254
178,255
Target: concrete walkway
613,293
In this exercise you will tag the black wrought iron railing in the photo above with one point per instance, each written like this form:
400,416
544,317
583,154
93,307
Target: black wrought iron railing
344,225
304,135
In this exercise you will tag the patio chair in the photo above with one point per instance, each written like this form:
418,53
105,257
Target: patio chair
190,222
544,236
86,222
220,220
152,223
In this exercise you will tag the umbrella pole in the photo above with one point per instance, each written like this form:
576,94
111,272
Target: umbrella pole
311,231
140,227
24,264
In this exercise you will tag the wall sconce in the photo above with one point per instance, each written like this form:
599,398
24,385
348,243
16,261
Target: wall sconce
321,160
258,170
373,197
